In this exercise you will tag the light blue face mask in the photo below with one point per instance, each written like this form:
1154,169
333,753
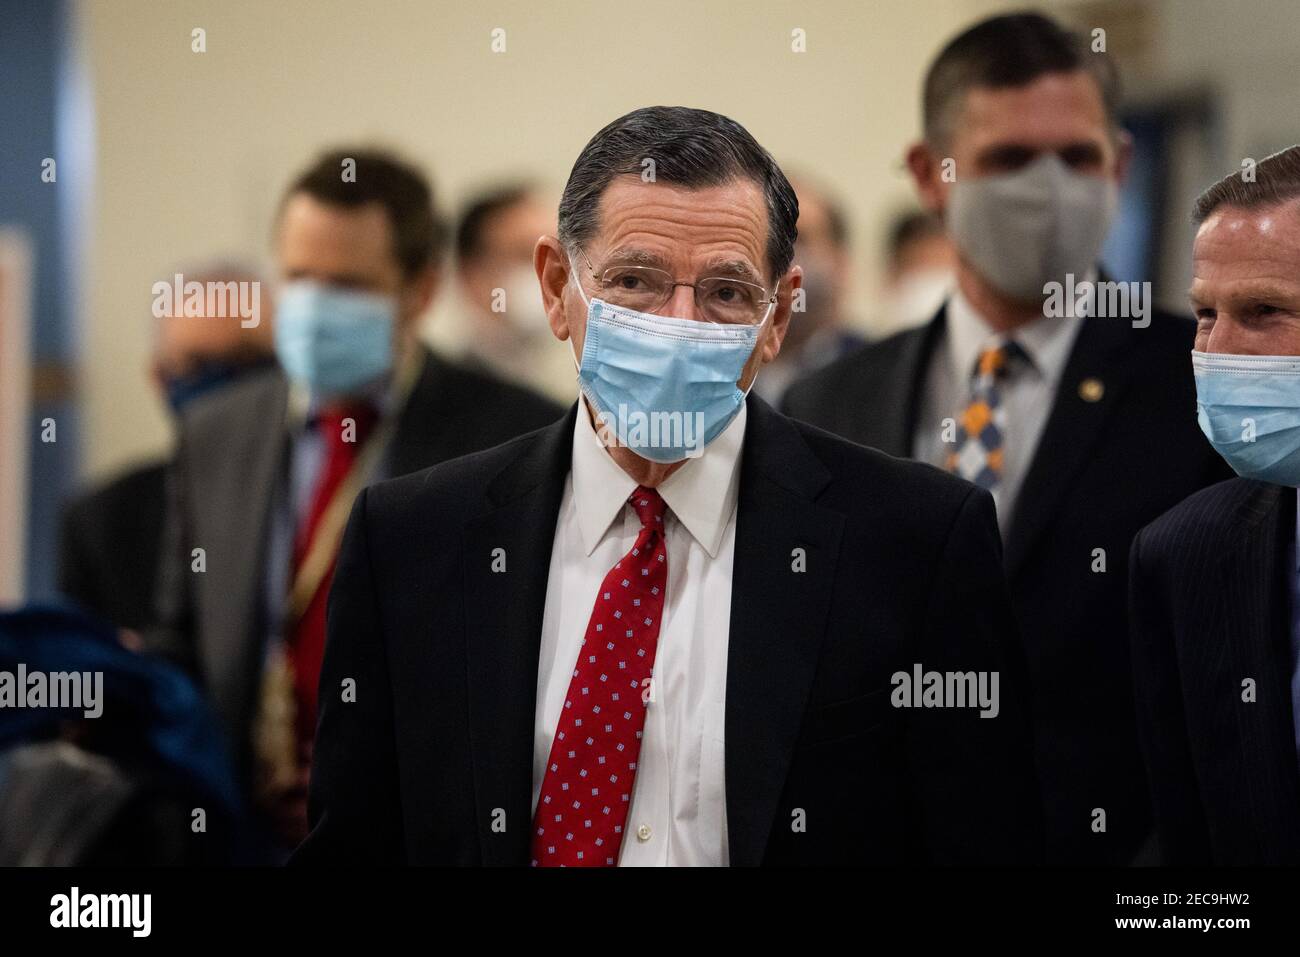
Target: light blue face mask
333,341
665,387
1249,409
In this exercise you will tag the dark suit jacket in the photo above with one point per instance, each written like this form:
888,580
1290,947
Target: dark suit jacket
1102,470
231,460
444,654
1212,608
108,546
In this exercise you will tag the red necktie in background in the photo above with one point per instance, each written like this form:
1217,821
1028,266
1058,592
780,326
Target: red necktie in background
307,636
587,789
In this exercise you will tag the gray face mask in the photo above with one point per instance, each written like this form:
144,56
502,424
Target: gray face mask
1025,229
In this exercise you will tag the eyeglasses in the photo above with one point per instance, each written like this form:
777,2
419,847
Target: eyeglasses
718,299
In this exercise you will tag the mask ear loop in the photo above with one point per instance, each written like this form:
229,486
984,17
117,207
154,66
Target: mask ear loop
573,352
771,309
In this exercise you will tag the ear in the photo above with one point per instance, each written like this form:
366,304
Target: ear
786,290
551,264
926,168
1123,155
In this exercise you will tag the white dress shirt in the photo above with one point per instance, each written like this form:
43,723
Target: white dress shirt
678,813
1028,391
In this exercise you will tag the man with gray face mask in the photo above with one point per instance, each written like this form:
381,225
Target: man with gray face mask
1030,383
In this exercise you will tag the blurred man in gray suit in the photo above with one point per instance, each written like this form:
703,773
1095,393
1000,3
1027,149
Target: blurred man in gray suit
109,535
266,471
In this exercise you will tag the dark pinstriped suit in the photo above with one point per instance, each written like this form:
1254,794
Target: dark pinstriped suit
1105,466
1211,602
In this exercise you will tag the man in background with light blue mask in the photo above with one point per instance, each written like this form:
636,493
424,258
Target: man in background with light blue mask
1216,597
670,629
1073,419
266,471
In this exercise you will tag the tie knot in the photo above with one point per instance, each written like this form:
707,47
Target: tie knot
994,360
649,507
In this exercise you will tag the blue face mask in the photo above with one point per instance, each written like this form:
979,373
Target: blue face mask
664,387
1249,409
333,341
208,377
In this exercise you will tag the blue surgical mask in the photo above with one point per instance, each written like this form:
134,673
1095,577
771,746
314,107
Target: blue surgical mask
207,376
665,387
1249,409
333,341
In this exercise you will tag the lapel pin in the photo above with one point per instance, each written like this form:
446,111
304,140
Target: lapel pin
1091,390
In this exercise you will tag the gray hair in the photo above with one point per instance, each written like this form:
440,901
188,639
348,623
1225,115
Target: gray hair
690,148
1276,180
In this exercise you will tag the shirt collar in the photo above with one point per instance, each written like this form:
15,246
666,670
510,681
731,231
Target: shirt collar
1046,341
702,493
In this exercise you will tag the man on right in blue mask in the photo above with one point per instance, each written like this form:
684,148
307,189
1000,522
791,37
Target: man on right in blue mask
1074,419
1216,597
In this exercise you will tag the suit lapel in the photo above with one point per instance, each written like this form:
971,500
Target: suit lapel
1255,577
901,391
1073,426
778,618
416,440
503,624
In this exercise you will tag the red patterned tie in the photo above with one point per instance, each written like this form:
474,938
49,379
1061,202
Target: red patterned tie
344,430
587,788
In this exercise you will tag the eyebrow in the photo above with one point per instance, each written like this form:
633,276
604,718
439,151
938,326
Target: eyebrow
634,257
735,268
738,268
1266,291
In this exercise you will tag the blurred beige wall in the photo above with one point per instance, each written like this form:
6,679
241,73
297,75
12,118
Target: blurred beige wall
193,148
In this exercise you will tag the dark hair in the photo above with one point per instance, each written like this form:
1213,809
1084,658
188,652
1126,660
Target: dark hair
1009,51
908,227
384,178
476,214
1276,180
690,148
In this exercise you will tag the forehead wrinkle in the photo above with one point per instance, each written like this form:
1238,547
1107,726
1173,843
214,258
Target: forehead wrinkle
702,218
713,239
671,222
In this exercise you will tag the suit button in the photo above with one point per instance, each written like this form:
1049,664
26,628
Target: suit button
643,833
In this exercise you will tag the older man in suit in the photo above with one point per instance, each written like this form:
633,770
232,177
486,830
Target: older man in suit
110,535
1074,419
675,628
1216,597
266,470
